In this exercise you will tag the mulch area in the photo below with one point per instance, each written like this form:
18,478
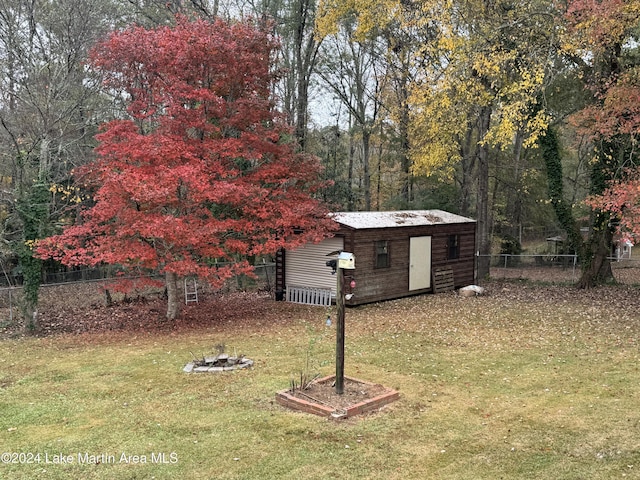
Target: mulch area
81,308
354,392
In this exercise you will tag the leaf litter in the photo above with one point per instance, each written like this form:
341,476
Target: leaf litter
512,315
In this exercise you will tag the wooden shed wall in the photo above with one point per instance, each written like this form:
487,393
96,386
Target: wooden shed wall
377,284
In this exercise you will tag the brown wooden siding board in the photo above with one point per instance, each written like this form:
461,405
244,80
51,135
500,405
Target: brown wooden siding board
372,286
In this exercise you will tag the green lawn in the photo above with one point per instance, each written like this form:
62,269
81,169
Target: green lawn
525,383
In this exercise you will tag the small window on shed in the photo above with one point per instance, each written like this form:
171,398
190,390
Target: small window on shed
453,247
382,254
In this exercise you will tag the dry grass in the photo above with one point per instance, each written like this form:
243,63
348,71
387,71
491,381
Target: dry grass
526,382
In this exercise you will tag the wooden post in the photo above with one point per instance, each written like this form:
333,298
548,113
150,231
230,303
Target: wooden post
340,332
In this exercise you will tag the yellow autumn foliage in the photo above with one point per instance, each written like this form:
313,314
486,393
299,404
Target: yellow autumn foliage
369,14
466,64
66,192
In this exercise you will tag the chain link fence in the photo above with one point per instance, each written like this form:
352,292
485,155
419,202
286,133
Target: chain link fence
556,268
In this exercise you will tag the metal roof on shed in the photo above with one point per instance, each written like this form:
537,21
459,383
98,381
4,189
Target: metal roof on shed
397,218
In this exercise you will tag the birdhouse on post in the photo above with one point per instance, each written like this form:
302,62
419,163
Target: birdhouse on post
346,261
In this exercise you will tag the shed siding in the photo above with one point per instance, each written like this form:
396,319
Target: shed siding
305,266
464,265
377,284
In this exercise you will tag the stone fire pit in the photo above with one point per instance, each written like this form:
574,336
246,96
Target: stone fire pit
219,363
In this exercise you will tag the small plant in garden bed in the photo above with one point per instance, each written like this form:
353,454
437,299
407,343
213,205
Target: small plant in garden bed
320,398
304,383
309,373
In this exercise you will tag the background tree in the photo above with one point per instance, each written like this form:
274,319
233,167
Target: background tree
353,74
608,31
294,23
368,33
152,13
49,109
477,74
332,146
203,171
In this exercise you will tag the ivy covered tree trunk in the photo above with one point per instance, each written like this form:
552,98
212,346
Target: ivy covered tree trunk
594,252
555,184
31,273
34,212
596,267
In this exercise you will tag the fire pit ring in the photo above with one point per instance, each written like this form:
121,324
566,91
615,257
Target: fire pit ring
219,363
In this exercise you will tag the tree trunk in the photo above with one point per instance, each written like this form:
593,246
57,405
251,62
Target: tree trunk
483,224
403,131
467,166
173,303
44,160
366,154
34,213
352,153
32,275
306,49
514,200
596,266
594,253
379,174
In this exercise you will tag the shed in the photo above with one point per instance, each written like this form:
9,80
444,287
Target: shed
397,254
622,248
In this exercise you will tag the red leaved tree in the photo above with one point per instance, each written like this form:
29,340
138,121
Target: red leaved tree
617,118
622,199
604,36
204,171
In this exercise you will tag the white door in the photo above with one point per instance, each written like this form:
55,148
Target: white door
419,263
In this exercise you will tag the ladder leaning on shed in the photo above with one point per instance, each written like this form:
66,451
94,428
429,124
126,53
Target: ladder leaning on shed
309,295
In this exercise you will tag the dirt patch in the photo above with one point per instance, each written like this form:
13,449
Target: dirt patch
354,392
320,398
